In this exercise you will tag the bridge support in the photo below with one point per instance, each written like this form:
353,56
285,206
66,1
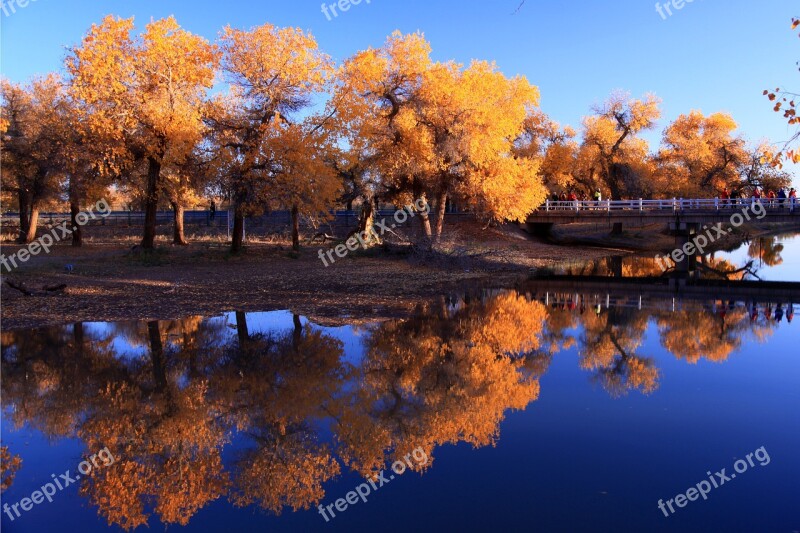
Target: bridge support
540,229
616,228
684,233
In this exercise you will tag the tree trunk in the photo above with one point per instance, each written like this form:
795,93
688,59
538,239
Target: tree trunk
613,181
241,329
297,332
441,205
295,228
24,215
77,338
77,232
32,224
237,239
178,236
367,217
157,356
151,203
425,221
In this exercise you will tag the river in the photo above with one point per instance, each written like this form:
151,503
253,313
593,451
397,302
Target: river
594,398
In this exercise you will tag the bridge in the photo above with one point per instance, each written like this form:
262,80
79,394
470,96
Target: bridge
680,214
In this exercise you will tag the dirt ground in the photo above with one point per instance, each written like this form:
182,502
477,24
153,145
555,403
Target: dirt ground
110,281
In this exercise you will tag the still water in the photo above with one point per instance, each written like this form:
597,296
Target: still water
559,404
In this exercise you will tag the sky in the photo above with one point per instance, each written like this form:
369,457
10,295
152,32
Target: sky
710,55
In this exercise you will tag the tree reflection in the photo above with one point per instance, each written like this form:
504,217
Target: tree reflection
441,377
168,398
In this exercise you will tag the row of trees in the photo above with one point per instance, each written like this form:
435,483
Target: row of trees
265,119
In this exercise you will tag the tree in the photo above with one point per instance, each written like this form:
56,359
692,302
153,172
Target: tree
701,156
554,147
304,182
259,149
611,152
182,182
143,97
758,169
439,130
375,91
472,116
32,155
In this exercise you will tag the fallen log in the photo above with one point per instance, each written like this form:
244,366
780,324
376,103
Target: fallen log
44,291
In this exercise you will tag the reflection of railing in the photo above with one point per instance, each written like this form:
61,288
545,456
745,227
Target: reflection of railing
580,302
667,288
674,204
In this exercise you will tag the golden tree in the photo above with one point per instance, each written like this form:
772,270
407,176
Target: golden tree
701,155
143,96
33,156
262,153
613,157
439,130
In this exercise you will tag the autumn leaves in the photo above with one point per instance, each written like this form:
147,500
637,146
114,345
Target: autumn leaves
267,120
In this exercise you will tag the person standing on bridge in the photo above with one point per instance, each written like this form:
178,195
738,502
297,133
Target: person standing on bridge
598,197
725,197
792,199
781,197
573,198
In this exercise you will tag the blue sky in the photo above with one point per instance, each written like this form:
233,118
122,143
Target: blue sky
710,55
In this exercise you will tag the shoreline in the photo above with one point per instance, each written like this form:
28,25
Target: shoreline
109,282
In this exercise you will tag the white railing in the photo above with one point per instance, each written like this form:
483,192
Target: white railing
674,204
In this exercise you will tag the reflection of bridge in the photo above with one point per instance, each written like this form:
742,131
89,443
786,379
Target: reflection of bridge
681,214
651,288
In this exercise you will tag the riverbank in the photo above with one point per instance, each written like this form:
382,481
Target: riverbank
109,281
653,239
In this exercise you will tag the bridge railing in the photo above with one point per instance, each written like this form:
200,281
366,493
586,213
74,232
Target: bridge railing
674,204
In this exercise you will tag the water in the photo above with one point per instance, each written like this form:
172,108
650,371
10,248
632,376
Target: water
553,405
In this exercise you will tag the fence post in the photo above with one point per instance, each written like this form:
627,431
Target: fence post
608,205
641,205
547,204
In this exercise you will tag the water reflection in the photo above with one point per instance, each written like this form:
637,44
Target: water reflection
198,410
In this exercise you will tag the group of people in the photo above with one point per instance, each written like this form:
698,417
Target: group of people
583,198
781,198
777,316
